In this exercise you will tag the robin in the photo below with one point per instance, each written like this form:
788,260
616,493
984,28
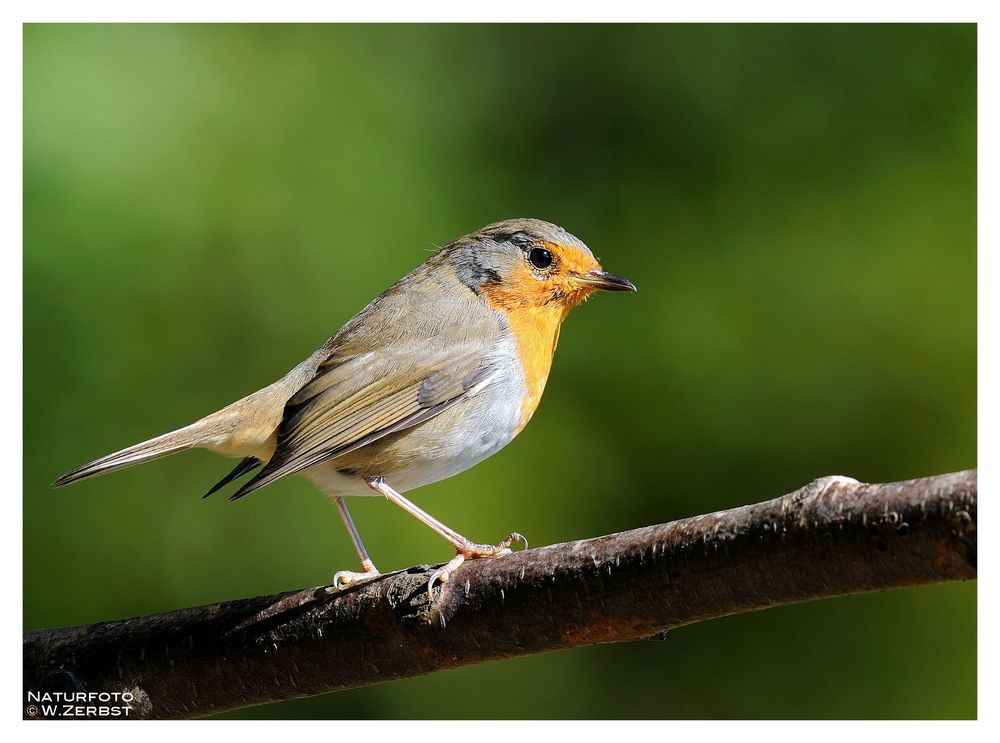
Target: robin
437,373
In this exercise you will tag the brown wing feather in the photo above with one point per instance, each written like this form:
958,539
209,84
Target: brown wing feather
363,398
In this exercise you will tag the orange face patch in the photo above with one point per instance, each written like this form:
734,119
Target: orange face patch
535,302
528,286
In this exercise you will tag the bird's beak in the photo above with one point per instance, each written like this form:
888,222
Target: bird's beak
607,281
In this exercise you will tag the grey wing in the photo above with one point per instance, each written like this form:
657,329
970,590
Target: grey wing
353,401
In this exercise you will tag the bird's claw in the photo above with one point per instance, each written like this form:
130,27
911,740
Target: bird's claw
344,578
443,573
472,551
514,537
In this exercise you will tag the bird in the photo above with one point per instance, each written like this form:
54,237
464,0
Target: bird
434,375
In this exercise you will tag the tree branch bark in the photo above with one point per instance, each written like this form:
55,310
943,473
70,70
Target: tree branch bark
830,538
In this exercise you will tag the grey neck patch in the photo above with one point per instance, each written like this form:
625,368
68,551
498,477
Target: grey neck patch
474,270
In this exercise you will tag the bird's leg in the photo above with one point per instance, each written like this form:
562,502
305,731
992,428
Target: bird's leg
465,549
344,578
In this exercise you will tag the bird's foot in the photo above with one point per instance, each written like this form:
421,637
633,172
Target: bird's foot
344,578
473,551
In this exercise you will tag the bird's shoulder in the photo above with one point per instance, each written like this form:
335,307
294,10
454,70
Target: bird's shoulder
429,305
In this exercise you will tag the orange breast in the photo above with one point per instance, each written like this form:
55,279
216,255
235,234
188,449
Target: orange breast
536,331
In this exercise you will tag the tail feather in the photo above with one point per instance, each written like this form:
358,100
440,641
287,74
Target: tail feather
244,428
246,465
161,446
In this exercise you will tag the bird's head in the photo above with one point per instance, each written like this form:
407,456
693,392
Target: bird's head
523,263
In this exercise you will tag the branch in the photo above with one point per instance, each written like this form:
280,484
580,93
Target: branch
830,538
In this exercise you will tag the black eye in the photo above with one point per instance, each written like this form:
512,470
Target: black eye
540,258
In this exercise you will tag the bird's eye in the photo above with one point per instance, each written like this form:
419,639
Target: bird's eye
540,258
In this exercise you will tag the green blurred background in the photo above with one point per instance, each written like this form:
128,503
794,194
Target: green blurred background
205,205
